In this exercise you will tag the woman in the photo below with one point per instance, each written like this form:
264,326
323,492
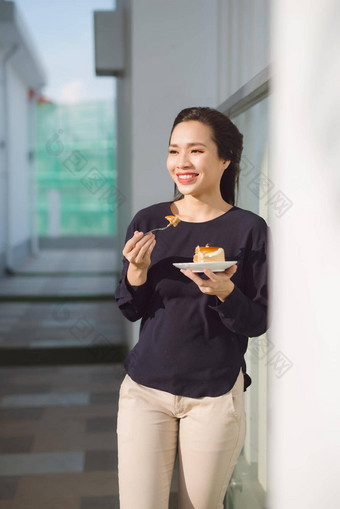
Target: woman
183,391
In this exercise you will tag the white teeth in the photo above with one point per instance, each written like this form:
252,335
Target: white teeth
187,176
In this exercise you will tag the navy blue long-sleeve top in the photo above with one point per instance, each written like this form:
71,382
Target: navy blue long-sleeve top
190,343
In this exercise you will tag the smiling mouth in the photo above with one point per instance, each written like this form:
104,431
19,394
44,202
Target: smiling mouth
188,177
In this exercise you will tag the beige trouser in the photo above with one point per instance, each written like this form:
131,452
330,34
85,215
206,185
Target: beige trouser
152,425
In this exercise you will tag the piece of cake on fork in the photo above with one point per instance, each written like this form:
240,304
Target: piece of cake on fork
174,220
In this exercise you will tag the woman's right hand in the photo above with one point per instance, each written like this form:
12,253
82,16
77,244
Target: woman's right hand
138,250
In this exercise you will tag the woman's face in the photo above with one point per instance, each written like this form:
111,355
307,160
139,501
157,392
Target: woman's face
192,152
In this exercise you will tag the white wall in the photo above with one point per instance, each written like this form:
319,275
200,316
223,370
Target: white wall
18,162
2,160
14,132
243,43
304,462
20,71
174,65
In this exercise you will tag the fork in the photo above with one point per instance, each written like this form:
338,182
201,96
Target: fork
155,229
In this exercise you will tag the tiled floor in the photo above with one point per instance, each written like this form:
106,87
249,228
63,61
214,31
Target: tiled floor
76,260
46,316
60,273
58,447
23,286
58,437
34,324
58,423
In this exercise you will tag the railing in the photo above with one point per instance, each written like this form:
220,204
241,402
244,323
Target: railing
248,95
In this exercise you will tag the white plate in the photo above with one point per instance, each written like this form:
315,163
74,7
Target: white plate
199,267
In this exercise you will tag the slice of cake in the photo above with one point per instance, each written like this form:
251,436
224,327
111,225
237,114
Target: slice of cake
208,254
174,220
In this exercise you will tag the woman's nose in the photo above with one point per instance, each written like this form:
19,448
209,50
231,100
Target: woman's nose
183,160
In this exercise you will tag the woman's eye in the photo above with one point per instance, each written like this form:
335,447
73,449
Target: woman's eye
194,150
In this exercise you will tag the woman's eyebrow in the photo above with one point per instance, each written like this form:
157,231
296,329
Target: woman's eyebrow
188,144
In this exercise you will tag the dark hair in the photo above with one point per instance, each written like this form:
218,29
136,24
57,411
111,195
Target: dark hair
229,143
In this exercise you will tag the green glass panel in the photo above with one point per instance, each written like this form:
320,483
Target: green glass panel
76,169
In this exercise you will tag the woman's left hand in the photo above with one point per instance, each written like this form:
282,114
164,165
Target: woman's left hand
218,284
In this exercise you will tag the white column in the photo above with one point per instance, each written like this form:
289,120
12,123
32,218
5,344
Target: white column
304,444
33,186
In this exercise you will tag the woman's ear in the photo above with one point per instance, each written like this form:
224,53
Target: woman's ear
226,161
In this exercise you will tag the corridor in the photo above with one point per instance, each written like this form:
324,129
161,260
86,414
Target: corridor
61,353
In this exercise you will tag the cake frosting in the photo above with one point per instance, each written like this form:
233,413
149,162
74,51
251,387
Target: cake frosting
208,253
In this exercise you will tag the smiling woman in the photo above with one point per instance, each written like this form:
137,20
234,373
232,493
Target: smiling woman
212,134
183,391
